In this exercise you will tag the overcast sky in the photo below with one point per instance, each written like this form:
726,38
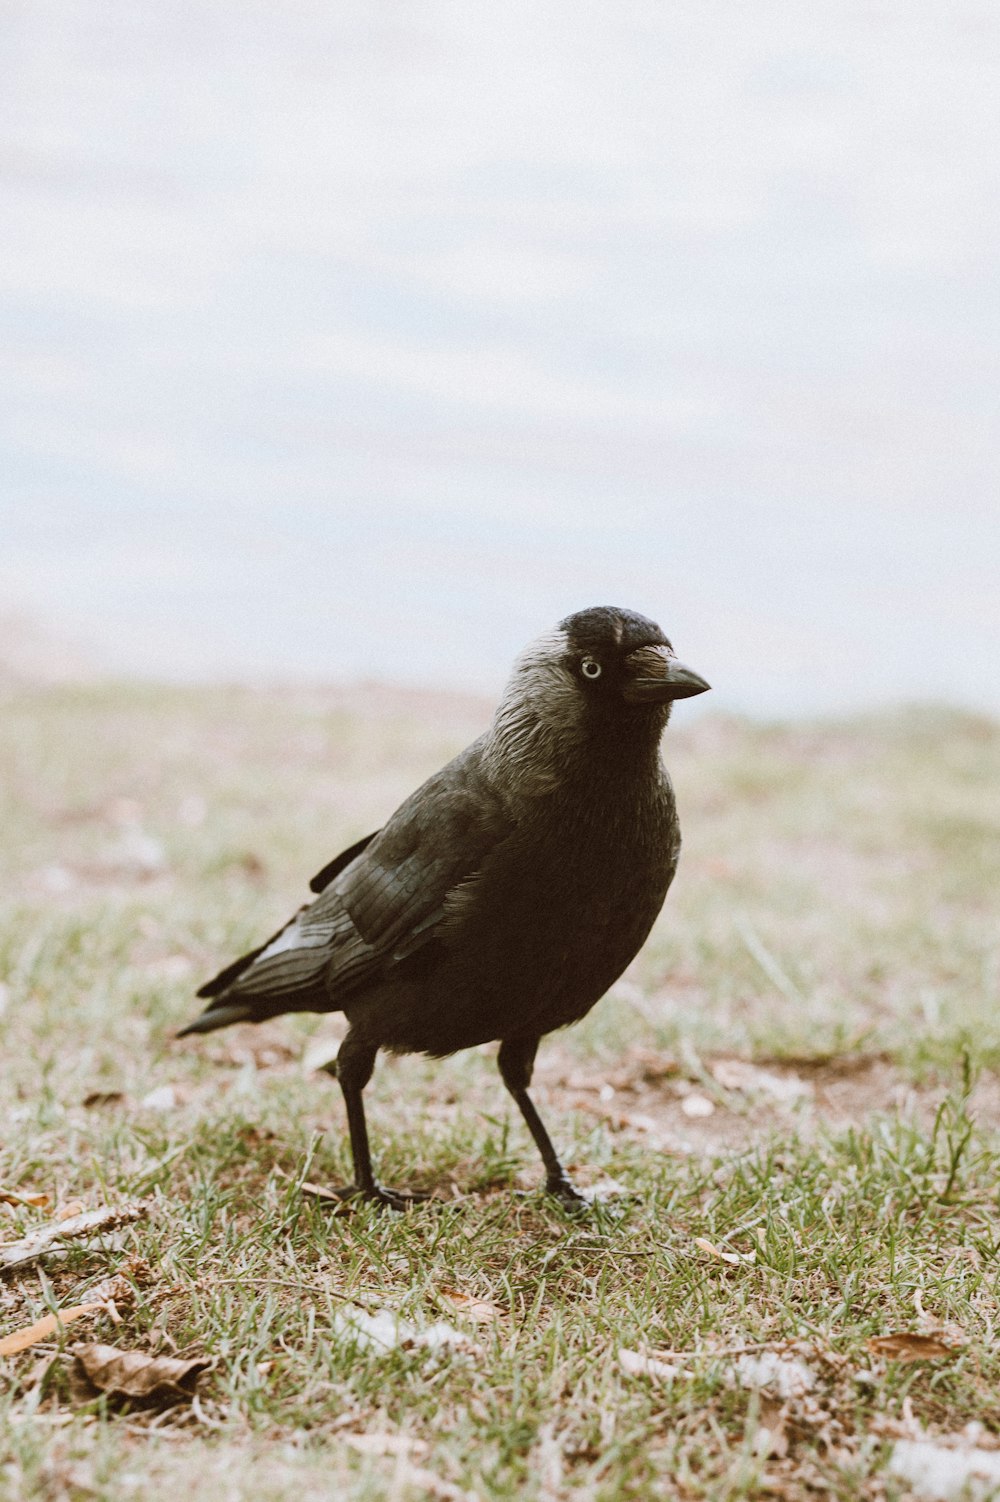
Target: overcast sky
370,340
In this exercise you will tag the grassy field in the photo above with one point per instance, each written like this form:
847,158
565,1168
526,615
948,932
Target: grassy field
788,1112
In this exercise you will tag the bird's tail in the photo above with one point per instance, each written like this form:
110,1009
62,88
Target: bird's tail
240,1005
284,975
213,1017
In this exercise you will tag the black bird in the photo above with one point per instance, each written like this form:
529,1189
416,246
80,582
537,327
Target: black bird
504,897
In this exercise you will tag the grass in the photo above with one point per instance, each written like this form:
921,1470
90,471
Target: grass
833,924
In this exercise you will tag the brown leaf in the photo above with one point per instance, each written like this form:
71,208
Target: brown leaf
735,1259
317,1191
132,1374
20,1340
904,1346
338,1203
479,1311
771,1438
15,1197
102,1296
103,1098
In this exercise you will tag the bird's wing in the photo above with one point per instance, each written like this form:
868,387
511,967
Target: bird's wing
321,880
384,902
396,891
297,958
288,973
235,969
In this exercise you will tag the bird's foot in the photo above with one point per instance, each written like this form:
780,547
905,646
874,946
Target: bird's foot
378,1194
559,1186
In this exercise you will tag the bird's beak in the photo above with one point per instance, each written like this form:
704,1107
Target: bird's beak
655,677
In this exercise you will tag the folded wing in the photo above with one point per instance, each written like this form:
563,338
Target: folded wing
381,901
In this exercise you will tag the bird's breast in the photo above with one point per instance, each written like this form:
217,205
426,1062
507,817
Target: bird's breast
556,914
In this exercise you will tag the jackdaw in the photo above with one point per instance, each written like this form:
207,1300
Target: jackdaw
505,896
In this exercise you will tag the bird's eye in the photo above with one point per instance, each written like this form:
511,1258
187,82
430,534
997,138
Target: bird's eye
589,668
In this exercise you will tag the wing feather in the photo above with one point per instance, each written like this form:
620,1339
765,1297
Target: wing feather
382,899
396,892
323,878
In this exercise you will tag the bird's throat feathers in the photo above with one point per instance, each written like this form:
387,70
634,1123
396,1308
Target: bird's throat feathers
544,733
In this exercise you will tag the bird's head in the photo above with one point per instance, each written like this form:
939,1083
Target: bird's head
616,658
602,672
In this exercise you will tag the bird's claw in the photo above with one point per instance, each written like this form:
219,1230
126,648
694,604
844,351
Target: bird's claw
378,1194
569,1197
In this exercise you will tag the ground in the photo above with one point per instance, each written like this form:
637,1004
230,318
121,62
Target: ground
787,1111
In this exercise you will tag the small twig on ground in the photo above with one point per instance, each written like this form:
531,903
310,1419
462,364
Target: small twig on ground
373,1293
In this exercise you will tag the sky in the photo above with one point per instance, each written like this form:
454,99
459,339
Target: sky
351,341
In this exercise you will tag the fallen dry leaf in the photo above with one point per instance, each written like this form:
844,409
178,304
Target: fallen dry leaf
70,1210
44,1238
384,1330
735,1259
132,1374
16,1197
318,1192
479,1311
103,1098
905,1346
51,1324
771,1438
102,1297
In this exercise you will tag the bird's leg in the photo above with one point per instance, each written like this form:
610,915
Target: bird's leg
355,1063
516,1061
